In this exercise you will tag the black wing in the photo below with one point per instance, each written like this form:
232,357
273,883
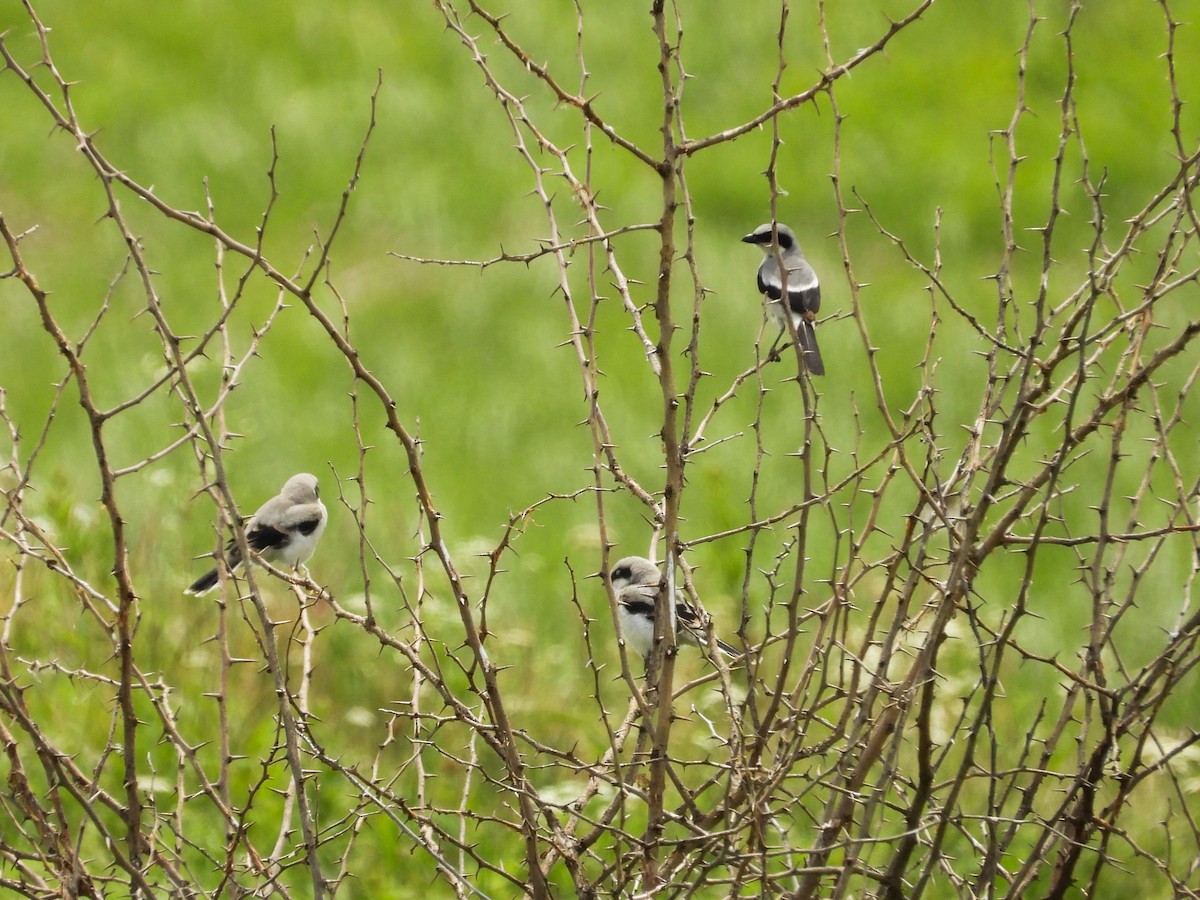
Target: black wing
804,301
639,607
688,616
264,537
801,300
308,526
769,286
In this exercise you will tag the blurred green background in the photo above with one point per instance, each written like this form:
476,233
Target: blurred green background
186,95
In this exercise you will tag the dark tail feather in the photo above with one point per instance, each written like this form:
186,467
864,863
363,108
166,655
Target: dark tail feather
727,649
812,353
203,584
208,581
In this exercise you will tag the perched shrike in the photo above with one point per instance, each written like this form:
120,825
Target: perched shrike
284,530
636,582
803,288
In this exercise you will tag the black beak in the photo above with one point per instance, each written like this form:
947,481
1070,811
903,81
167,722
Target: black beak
749,239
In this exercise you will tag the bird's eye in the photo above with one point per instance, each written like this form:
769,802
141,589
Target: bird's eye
621,573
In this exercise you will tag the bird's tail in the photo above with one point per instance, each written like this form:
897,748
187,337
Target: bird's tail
812,353
208,580
203,584
727,649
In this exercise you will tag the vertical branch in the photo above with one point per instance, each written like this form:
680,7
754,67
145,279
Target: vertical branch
125,625
661,668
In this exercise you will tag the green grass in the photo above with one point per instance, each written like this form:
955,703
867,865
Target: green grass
187,94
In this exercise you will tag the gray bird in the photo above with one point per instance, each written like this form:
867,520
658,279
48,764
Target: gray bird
803,288
284,530
636,582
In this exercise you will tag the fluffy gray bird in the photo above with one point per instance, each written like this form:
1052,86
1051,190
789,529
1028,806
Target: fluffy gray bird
284,530
803,288
636,582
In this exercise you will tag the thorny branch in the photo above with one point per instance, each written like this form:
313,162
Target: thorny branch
892,593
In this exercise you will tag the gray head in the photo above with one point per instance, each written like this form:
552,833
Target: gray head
762,236
634,570
301,488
